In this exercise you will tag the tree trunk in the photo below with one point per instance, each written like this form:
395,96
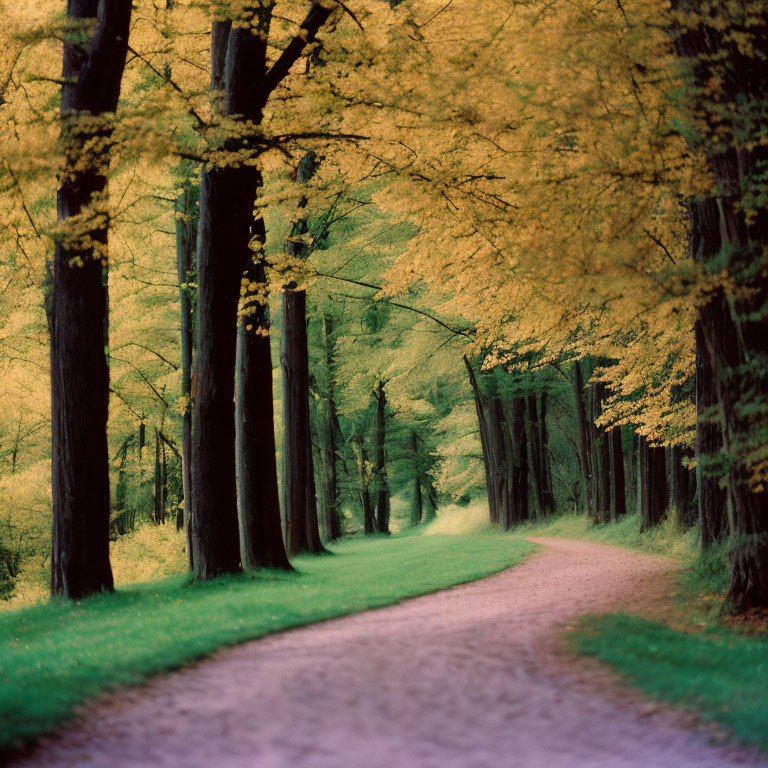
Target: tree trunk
297,452
186,245
417,509
297,441
585,434
618,497
492,442
535,464
601,459
91,74
369,521
157,514
312,532
381,486
548,494
330,430
683,487
713,502
519,464
227,196
729,233
653,485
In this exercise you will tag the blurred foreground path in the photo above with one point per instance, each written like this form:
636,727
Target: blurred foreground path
466,678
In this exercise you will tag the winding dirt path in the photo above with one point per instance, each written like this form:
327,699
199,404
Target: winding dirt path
466,678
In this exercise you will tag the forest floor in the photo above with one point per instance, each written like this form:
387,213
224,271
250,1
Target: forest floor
471,677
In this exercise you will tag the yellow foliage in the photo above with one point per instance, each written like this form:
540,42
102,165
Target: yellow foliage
149,553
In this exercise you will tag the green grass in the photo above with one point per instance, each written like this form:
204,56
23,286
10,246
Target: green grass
720,675
665,539
54,656
713,671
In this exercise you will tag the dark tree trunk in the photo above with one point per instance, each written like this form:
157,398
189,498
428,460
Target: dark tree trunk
91,74
618,497
301,500
653,485
535,464
227,226
729,232
417,509
330,434
261,537
633,472
157,515
297,451
369,521
186,244
313,542
519,464
683,487
601,458
585,435
430,508
330,495
713,502
490,423
381,486
548,494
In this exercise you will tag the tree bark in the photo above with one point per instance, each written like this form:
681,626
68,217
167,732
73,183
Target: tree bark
300,508
519,464
713,501
585,442
490,424
227,226
535,464
297,441
186,245
729,233
683,487
261,537
548,494
92,74
618,495
601,459
417,509
653,485
157,515
381,486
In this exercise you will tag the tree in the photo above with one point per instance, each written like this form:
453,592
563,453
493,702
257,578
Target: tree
301,521
92,74
228,191
723,50
186,245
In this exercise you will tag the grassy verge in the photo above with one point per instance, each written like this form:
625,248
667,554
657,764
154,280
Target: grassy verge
665,539
720,675
54,656
699,664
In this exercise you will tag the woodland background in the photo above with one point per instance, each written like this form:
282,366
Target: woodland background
531,239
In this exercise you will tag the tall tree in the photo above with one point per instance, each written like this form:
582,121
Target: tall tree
728,46
228,192
653,485
186,244
380,484
92,74
302,533
618,483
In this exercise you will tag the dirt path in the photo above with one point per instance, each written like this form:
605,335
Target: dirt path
466,678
